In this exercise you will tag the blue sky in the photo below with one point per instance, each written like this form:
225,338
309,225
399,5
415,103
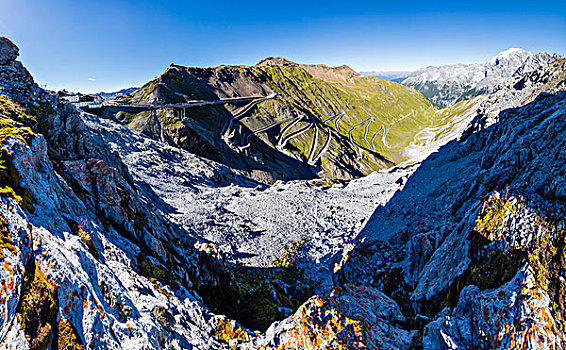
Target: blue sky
110,44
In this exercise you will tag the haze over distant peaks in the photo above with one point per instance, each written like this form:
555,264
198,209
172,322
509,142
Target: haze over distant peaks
386,74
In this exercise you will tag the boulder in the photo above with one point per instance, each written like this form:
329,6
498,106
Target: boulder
347,317
164,317
8,51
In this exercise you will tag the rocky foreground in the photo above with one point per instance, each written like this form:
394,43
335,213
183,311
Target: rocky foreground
114,240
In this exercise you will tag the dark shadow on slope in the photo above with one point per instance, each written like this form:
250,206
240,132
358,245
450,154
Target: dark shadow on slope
256,297
199,133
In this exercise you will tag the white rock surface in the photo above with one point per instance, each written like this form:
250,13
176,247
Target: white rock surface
515,316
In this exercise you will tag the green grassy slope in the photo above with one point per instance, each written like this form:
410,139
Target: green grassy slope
393,113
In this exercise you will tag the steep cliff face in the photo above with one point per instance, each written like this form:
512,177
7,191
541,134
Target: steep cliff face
317,120
87,260
473,242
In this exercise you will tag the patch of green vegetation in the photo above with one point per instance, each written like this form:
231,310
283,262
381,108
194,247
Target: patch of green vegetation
325,183
12,124
15,122
6,241
140,121
38,307
125,117
10,179
491,221
157,273
86,239
9,128
9,111
68,337
227,330
168,119
290,255
149,269
256,297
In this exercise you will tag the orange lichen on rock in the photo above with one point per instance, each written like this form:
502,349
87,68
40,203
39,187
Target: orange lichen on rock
68,337
231,333
38,307
348,317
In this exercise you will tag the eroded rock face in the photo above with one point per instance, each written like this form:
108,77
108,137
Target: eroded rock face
515,316
164,317
108,256
16,246
348,317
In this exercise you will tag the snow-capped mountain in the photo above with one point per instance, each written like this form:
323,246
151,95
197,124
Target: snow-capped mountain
447,85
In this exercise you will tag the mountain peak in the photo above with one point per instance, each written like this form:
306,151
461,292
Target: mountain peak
510,54
324,72
512,50
276,61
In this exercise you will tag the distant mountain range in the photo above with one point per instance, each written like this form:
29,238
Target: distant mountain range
387,75
113,95
447,85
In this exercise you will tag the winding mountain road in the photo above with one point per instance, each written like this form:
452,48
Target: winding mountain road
367,129
287,128
382,129
229,125
324,147
314,143
245,142
292,135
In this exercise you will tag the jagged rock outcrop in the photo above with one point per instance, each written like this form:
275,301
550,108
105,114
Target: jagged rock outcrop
86,256
469,218
515,316
348,317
